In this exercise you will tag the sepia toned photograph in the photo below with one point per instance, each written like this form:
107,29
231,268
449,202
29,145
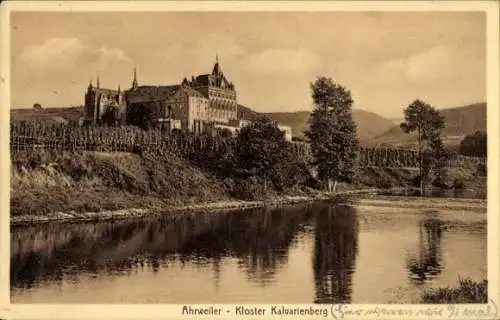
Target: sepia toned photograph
249,157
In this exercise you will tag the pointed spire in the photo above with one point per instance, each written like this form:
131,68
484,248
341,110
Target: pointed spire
134,82
217,69
119,88
97,82
90,84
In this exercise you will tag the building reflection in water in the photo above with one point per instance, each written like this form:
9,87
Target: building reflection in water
258,239
336,248
427,264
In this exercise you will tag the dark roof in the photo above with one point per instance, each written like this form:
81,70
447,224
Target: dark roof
202,80
153,91
191,92
104,90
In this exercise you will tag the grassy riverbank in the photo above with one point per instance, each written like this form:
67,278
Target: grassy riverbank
48,182
467,291
71,184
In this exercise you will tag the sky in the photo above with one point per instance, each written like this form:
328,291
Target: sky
386,59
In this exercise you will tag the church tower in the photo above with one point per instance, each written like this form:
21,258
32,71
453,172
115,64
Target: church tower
134,82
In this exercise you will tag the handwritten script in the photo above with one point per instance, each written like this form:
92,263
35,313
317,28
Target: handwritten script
452,311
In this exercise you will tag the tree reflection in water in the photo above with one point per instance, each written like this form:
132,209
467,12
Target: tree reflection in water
428,263
336,248
259,239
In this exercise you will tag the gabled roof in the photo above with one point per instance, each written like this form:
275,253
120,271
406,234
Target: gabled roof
202,80
153,91
190,91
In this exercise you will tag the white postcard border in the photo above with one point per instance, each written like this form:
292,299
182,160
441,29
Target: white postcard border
81,311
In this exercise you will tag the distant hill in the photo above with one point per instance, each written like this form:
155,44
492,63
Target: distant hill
68,114
369,124
298,121
397,121
460,121
247,113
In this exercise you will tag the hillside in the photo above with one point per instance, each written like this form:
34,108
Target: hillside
69,114
247,113
45,182
460,121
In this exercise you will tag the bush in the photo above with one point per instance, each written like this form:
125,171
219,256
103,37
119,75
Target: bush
313,183
229,184
383,183
481,170
33,159
261,149
442,180
143,115
467,291
442,183
110,116
474,145
251,189
225,133
458,184
289,175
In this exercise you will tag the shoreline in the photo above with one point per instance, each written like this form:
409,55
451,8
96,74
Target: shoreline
130,213
225,205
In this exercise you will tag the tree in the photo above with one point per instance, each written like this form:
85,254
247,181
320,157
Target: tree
426,121
110,116
142,115
225,133
260,150
332,132
474,145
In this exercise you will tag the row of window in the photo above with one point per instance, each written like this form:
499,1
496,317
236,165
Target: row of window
218,94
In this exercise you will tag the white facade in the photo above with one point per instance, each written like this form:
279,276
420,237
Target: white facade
235,125
287,130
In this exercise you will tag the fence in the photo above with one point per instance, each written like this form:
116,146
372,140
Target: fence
32,135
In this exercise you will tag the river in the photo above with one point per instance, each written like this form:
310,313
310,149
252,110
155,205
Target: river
366,252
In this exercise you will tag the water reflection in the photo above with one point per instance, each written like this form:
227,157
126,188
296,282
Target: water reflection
428,263
296,254
336,247
258,239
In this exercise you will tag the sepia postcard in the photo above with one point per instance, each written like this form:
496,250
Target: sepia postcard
249,160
